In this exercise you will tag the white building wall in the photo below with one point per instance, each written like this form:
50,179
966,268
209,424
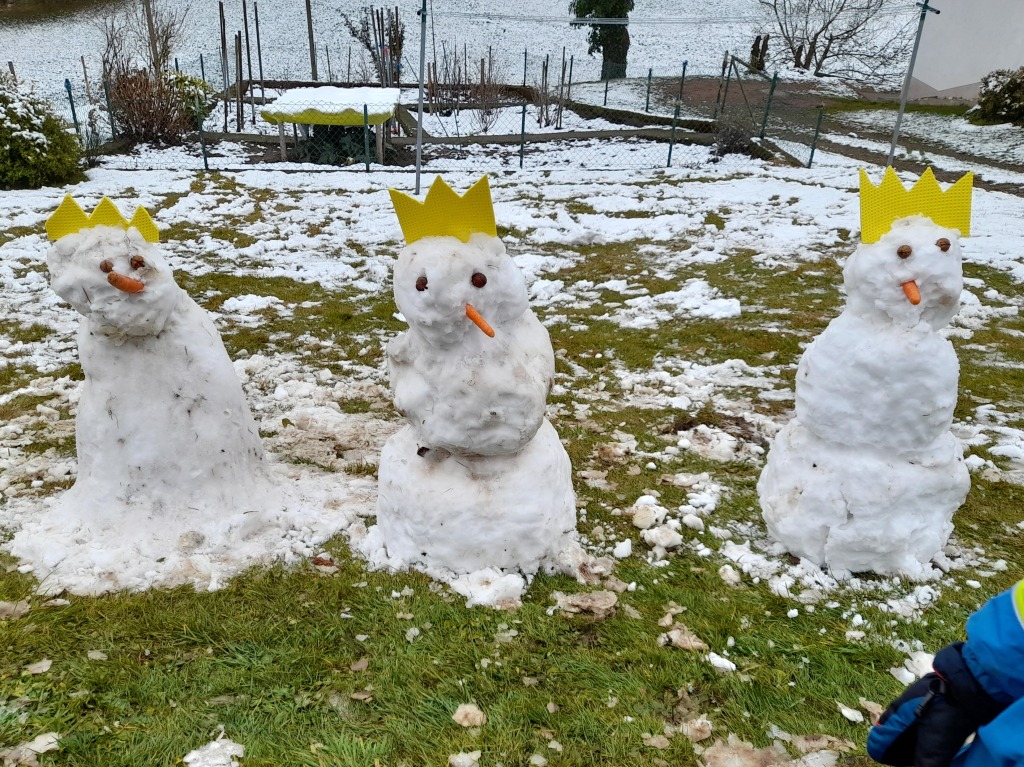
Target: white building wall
964,42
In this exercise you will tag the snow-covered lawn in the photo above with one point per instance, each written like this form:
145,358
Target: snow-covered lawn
678,303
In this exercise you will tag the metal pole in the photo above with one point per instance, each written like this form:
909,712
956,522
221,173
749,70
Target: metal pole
817,131
672,141
606,93
10,66
202,138
366,135
202,67
224,62
568,87
176,67
248,60
348,77
312,49
259,48
522,138
682,79
74,116
721,81
419,116
525,50
650,74
906,82
768,104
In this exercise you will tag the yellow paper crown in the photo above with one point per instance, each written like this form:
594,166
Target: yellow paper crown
445,213
881,205
70,218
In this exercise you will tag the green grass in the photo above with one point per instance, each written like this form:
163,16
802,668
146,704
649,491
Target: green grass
269,658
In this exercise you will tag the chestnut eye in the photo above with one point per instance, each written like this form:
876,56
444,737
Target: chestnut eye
421,283
137,262
943,244
478,279
903,251
106,266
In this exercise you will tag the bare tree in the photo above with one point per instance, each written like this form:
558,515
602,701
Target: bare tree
854,39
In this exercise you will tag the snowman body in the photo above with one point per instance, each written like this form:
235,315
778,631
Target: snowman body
867,476
169,457
478,478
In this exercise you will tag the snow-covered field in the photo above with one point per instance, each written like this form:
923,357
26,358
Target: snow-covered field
308,224
661,37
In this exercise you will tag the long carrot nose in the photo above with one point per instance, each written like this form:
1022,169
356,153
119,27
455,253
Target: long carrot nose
912,293
479,321
125,283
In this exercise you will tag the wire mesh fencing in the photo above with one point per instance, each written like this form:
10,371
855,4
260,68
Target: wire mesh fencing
481,113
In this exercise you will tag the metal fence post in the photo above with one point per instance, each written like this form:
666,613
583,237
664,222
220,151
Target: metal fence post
366,135
568,87
176,67
682,79
650,73
768,104
672,141
202,67
817,131
522,137
71,98
525,51
606,92
722,81
202,138
110,112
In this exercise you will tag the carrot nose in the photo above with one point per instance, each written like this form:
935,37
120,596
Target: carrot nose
479,321
912,293
125,283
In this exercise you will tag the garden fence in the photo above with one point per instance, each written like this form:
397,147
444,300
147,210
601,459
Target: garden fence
480,115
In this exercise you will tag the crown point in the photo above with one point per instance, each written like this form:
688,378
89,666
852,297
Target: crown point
67,219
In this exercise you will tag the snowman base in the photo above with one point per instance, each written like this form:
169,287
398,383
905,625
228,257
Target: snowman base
463,514
856,510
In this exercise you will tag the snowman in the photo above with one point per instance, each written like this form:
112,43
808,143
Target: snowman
478,481
867,476
171,469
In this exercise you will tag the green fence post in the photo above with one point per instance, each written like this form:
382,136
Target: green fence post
176,69
202,67
817,131
525,51
682,79
606,92
768,104
522,138
650,74
366,135
672,141
110,112
74,115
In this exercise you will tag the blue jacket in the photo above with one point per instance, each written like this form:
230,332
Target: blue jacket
994,652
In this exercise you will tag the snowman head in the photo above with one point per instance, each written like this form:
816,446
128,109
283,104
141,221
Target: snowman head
912,274
449,290
111,271
454,280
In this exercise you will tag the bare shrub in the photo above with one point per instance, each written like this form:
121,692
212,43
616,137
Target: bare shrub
147,102
382,34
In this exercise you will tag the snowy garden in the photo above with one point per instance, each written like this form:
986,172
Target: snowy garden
688,465
678,306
